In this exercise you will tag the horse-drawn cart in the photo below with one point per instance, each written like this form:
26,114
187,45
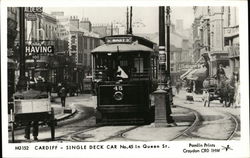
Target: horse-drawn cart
217,90
32,109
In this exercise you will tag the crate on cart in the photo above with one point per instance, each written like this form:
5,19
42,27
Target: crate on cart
32,106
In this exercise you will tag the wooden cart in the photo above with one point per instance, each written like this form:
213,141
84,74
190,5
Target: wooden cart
213,91
28,110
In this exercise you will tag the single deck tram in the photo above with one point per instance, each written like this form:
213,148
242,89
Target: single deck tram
124,76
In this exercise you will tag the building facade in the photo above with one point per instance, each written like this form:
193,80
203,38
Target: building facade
215,34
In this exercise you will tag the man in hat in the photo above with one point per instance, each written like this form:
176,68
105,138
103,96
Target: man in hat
63,94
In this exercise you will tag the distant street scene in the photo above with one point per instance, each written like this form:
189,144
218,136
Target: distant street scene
100,74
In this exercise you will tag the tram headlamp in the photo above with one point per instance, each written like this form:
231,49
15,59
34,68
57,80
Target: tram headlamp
118,96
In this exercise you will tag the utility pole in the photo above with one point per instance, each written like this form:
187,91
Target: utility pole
168,42
160,95
131,14
22,83
111,29
162,55
163,111
127,31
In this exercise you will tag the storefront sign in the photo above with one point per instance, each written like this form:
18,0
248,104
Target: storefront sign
33,9
31,17
42,50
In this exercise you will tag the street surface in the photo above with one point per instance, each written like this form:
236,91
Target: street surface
214,123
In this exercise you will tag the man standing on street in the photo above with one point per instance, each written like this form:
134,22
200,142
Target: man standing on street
63,94
220,72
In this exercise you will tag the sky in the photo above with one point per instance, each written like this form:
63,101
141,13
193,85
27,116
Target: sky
146,15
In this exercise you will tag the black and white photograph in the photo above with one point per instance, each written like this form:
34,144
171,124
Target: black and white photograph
130,79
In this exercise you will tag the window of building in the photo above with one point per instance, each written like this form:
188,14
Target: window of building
90,43
172,56
85,42
172,67
85,59
73,47
229,16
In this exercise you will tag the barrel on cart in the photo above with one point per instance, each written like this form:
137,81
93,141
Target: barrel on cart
30,109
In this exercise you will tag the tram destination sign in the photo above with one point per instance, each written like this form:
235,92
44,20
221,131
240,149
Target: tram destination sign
110,40
32,50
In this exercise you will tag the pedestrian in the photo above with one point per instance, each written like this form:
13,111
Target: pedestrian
235,84
220,73
63,94
178,86
34,125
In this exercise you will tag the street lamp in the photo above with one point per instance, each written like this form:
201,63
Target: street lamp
168,23
22,83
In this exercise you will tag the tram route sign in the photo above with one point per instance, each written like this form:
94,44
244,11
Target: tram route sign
110,40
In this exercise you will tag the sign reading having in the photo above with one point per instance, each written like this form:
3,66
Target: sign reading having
41,50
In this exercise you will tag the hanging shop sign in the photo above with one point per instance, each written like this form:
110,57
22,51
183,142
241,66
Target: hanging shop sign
33,9
162,58
162,55
31,17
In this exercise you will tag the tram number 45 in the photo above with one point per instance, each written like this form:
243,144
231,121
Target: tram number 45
118,88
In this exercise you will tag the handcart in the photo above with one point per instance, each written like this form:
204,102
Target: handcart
30,110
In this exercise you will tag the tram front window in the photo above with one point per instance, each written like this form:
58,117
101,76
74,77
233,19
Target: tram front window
123,67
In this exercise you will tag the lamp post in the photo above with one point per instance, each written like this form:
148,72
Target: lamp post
168,42
162,55
22,83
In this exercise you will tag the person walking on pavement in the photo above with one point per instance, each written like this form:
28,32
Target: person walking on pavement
63,94
220,73
235,87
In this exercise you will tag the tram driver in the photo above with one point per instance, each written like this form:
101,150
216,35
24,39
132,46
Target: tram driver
121,74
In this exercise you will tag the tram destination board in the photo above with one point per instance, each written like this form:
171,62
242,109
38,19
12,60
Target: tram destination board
112,40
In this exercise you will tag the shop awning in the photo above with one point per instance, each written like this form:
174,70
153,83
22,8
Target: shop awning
197,74
185,74
115,48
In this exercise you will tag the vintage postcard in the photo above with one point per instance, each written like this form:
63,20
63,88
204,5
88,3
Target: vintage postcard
125,78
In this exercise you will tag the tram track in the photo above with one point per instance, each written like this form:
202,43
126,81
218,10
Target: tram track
199,123
118,134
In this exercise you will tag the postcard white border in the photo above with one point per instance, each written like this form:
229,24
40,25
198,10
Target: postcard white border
241,148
